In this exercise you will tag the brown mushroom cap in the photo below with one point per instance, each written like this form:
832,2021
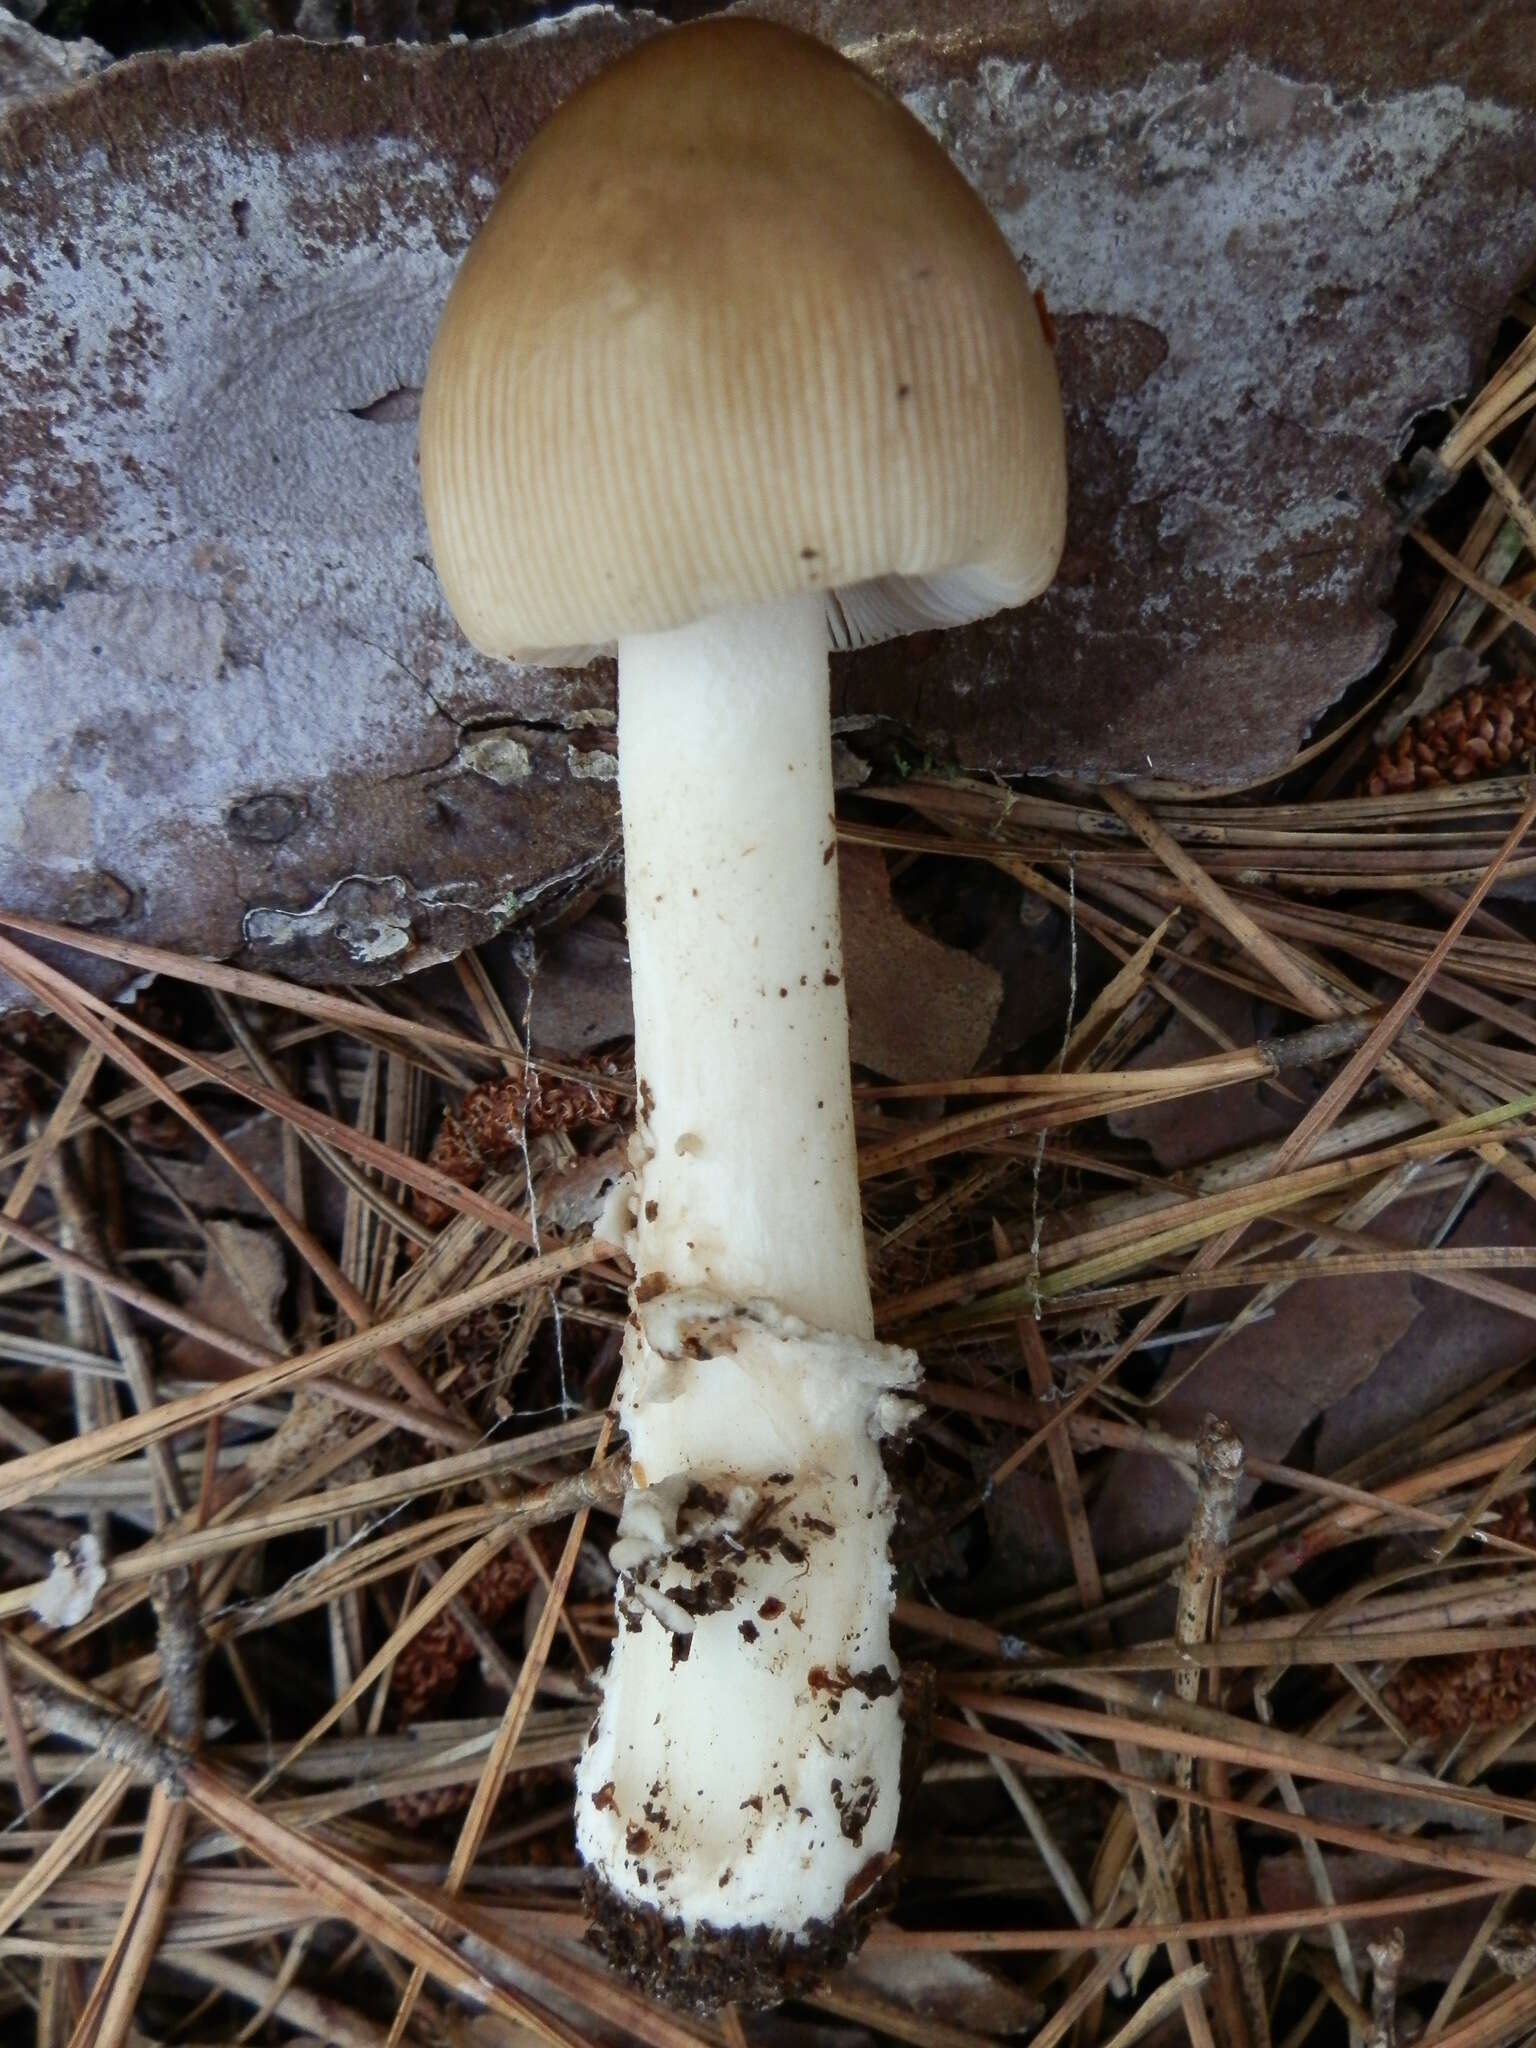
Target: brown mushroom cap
736,328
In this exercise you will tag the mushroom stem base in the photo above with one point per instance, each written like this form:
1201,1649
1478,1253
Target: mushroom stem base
744,1771
700,1970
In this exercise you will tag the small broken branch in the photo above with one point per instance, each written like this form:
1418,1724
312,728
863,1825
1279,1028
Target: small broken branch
120,1741
1218,1476
1386,1968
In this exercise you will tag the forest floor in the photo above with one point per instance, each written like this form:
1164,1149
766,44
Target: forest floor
1214,1236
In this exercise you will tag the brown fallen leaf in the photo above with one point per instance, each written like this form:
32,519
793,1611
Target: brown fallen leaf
918,1010
204,1182
1271,1381
1455,1342
1440,1939
1322,1340
945,1989
1027,1537
239,1291
580,988
1225,1120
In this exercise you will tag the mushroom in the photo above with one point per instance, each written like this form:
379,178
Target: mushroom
739,370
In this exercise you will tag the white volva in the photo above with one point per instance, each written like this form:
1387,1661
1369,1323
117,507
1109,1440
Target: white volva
743,1772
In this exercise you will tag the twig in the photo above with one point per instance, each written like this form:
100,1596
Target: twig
1209,1838
1386,1967
107,2019
151,1759
1219,1474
